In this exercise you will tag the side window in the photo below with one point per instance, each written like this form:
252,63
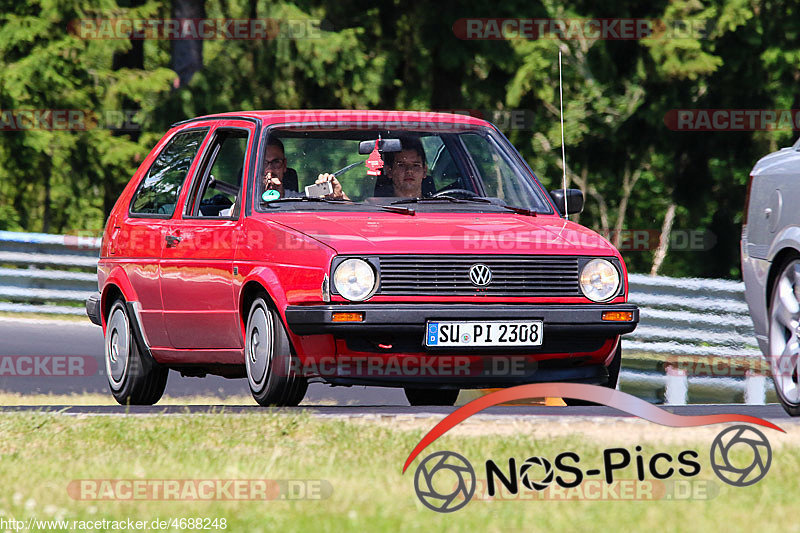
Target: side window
499,178
306,158
441,167
223,174
158,192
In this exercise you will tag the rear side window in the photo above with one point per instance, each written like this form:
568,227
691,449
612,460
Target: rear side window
159,190
221,180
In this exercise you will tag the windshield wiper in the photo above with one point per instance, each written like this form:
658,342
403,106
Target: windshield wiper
520,210
398,209
474,199
308,199
438,199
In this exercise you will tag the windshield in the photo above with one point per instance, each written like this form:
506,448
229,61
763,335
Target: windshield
460,168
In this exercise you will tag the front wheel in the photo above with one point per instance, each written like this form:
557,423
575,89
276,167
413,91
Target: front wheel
270,363
784,336
431,396
133,380
613,378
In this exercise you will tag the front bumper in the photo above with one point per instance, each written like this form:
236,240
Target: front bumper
411,319
93,308
576,344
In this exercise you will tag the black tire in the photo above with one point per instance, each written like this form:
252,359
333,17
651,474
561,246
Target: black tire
132,379
431,396
269,358
613,378
780,336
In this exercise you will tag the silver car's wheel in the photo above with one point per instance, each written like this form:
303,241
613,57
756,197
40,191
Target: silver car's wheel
784,336
118,345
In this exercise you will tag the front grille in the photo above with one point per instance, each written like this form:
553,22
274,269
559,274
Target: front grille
448,275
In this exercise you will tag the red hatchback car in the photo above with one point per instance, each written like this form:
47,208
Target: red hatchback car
401,249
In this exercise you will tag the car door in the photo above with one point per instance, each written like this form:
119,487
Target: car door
200,311
138,235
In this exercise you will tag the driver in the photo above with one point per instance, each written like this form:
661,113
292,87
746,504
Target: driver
275,169
406,171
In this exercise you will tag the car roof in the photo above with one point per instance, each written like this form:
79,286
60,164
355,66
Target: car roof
415,119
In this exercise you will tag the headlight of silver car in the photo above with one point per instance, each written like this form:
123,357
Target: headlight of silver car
599,280
354,279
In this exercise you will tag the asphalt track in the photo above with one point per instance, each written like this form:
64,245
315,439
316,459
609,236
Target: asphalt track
58,337
27,337
772,412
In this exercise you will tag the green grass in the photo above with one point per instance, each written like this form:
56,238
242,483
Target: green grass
41,453
93,398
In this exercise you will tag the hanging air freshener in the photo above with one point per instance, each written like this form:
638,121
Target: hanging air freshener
374,162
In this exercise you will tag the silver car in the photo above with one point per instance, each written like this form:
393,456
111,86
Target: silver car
771,266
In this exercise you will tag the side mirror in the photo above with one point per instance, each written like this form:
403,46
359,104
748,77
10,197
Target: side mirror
574,200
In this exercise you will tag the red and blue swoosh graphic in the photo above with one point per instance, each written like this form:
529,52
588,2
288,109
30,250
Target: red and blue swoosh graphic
591,393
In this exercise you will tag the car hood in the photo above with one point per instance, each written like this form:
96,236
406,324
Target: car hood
785,157
490,233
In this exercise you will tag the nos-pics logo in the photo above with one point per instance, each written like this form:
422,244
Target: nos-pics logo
446,481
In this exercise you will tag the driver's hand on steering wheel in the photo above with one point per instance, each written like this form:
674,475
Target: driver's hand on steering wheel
337,187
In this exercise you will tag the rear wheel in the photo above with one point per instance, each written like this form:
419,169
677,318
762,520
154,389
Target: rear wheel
613,377
133,380
271,365
784,336
431,396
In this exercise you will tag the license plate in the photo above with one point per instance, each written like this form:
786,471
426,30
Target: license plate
507,333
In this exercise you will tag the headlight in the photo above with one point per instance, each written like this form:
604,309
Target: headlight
599,280
354,279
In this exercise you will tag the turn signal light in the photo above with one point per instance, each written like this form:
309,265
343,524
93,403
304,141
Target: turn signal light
348,317
618,316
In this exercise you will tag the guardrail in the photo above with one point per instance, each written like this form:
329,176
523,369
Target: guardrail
55,274
41,273
689,316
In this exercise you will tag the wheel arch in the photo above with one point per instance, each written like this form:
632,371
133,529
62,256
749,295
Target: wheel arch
778,262
261,280
250,291
117,285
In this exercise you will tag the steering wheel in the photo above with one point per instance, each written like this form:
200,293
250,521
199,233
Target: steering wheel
465,192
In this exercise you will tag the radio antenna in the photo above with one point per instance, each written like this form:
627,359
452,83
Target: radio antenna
563,150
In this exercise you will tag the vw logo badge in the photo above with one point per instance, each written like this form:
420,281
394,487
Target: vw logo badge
480,275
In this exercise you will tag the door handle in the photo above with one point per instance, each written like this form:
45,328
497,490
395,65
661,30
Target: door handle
172,240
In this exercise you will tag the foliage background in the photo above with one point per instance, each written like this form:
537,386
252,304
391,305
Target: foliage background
396,54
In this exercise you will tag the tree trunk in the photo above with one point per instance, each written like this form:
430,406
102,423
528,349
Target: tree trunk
628,183
187,54
663,243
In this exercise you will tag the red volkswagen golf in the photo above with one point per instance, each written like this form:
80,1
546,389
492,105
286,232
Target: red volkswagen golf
400,249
